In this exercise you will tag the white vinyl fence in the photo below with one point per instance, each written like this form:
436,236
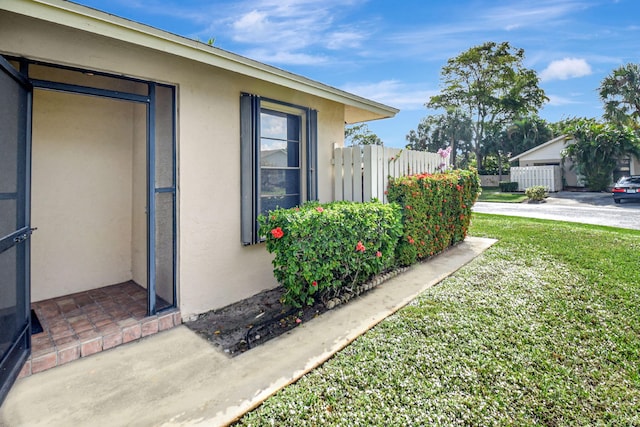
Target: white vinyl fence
362,172
547,176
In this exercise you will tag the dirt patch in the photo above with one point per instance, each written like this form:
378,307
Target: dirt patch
248,323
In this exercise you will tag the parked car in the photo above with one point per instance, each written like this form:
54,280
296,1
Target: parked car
627,187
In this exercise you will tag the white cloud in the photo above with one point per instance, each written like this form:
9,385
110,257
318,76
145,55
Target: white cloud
394,93
344,39
519,15
566,68
558,101
292,32
285,57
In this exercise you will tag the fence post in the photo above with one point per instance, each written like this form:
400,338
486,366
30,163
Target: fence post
338,179
357,173
348,174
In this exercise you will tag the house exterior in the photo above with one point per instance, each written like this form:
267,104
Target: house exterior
141,155
550,154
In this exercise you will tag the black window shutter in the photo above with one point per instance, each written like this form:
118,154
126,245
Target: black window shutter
312,157
249,128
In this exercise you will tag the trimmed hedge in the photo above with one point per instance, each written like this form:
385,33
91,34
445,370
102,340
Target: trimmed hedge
508,187
436,211
536,193
321,248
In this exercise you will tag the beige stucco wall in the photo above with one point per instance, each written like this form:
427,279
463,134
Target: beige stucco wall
139,196
635,166
552,154
82,174
214,269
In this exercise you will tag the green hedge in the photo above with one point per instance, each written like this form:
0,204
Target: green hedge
436,211
536,193
508,187
320,248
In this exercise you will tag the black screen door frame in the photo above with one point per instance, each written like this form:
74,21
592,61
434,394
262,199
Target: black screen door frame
15,244
13,360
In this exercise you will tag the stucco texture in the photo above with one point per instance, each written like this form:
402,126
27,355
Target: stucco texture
85,162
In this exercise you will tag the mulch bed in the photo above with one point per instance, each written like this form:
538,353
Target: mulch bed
248,323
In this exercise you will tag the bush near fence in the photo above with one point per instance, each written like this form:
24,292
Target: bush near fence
536,193
321,248
508,186
436,211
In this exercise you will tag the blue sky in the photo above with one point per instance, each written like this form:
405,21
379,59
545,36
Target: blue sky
393,51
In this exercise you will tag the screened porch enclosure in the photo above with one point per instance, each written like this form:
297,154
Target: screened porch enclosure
103,185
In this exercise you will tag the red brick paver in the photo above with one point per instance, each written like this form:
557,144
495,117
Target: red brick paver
89,322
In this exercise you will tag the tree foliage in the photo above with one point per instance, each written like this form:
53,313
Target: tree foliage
597,148
360,134
489,84
525,133
452,129
620,93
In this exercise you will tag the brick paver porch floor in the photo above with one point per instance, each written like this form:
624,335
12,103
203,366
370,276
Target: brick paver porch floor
88,322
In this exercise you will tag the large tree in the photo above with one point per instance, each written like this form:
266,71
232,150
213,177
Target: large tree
597,148
360,134
525,133
490,84
452,129
620,93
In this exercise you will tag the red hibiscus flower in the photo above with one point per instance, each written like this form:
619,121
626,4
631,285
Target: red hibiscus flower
277,232
360,247
378,254
320,209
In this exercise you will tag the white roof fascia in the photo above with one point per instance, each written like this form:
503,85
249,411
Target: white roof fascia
97,22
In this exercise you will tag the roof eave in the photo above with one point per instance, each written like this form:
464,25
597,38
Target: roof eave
97,22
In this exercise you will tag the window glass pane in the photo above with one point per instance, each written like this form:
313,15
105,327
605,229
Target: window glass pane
275,153
269,203
9,305
164,250
273,125
10,132
164,137
8,217
279,182
293,127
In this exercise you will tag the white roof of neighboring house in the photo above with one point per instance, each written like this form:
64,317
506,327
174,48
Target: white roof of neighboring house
560,139
357,109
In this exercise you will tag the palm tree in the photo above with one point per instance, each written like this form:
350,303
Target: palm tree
597,148
620,92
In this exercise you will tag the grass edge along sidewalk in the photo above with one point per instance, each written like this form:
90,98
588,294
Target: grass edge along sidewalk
493,194
542,329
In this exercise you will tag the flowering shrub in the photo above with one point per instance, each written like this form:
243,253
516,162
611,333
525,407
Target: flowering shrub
320,248
444,154
536,193
436,211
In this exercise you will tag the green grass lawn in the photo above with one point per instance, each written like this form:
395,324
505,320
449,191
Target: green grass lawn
542,329
490,194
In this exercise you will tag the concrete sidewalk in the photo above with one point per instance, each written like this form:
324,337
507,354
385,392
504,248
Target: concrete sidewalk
175,378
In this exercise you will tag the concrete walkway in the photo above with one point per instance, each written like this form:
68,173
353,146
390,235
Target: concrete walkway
175,378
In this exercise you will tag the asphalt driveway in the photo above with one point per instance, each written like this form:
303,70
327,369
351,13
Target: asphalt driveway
584,207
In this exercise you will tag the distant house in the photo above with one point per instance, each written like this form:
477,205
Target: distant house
145,157
550,154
